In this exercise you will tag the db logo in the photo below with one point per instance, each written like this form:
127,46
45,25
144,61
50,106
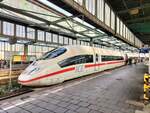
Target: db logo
79,68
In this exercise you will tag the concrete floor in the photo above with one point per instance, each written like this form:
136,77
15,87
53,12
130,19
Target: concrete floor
109,93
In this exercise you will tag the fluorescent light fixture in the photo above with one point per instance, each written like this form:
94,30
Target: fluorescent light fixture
83,22
55,7
4,39
23,41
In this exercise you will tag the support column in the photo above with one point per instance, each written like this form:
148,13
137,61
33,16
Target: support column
25,49
91,42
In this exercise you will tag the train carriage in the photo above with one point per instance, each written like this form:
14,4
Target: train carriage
69,62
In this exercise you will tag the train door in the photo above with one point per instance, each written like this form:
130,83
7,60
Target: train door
97,61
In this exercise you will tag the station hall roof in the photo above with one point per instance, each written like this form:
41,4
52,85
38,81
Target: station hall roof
136,14
48,16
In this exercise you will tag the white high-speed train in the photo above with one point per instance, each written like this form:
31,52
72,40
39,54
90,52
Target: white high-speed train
69,62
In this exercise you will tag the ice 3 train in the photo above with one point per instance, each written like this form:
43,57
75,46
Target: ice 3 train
69,62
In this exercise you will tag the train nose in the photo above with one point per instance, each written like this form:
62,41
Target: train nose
24,79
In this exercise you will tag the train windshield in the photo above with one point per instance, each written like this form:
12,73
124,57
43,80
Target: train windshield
53,53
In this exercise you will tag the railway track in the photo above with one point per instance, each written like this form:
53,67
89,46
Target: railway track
55,88
16,71
4,75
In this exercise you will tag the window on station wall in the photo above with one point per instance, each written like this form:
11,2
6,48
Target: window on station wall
78,42
45,49
121,28
7,47
85,43
40,35
55,38
8,28
38,49
107,14
66,40
100,9
90,6
88,44
82,43
18,49
79,1
2,46
30,33
48,37
126,35
20,31
70,41
61,39
74,42
136,41
0,27
124,31
2,55
129,35
118,25
132,38
31,49
13,47
112,20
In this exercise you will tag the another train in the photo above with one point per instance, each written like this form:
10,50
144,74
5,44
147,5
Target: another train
69,62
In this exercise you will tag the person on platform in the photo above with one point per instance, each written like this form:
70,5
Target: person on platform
126,59
0,63
130,61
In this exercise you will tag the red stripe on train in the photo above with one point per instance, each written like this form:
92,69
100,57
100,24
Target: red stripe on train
101,64
67,70
48,75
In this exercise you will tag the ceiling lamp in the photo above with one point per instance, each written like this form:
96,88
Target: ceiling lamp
134,11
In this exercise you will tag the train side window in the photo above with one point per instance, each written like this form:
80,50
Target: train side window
111,58
80,59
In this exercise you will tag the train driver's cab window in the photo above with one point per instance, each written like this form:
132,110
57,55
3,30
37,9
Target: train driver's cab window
80,59
53,53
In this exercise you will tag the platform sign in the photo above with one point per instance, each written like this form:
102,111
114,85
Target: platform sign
23,58
16,58
144,50
149,64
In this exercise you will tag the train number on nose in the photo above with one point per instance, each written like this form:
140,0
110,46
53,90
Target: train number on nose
79,68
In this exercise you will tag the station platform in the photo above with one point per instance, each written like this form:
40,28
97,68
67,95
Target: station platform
113,91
